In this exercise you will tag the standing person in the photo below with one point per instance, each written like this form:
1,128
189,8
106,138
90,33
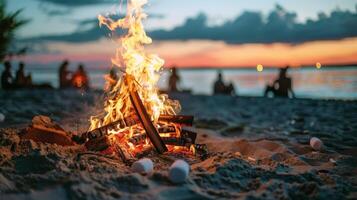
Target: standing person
282,86
80,79
174,80
64,75
6,77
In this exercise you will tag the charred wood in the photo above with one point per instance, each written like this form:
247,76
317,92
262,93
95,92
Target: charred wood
140,110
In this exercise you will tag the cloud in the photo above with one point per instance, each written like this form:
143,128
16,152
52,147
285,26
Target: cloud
279,25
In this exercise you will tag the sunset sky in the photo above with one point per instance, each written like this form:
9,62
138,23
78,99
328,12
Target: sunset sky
199,33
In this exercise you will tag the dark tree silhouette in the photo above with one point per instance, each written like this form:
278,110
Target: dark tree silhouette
9,23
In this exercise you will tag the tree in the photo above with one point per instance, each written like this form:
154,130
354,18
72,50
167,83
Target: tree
9,23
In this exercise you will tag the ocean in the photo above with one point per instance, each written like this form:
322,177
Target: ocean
324,83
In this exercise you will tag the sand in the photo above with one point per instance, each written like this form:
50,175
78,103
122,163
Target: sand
259,149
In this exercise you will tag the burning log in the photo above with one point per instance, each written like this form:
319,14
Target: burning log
98,144
178,119
186,139
167,129
131,121
189,134
177,141
124,155
104,130
144,118
201,149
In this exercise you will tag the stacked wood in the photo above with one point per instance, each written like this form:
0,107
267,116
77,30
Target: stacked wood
98,144
104,130
145,120
177,119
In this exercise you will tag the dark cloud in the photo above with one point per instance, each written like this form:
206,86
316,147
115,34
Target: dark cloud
250,27
92,34
76,3
279,26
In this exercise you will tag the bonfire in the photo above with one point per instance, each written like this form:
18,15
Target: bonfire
137,118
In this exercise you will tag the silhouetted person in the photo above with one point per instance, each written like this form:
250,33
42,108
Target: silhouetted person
64,75
80,79
282,86
174,80
6,77
219,87
230,90
21,80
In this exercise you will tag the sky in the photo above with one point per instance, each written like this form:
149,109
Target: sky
197,33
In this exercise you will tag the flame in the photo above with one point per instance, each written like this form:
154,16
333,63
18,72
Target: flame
144,68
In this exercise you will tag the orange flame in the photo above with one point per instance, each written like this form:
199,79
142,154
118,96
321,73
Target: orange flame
145,68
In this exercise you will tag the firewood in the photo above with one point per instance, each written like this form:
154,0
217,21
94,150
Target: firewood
98,144
167,129
178,119
185,133
125,156
104,130
144,117
201,149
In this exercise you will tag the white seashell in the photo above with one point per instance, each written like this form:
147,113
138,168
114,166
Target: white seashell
316,143
179,171
143,166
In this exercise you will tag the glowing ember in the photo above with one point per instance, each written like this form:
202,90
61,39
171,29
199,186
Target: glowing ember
142,72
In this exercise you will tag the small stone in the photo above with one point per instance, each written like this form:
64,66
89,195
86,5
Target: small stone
316,143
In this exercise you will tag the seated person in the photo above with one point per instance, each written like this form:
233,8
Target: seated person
282,86
80,79
220,88
64,75
21,80
6,77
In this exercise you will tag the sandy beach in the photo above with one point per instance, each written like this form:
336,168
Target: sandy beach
258,149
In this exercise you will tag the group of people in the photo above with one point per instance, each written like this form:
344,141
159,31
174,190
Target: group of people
8,82
281,87
219,86
67,79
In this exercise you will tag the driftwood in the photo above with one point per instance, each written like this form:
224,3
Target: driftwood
140,110
44,130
